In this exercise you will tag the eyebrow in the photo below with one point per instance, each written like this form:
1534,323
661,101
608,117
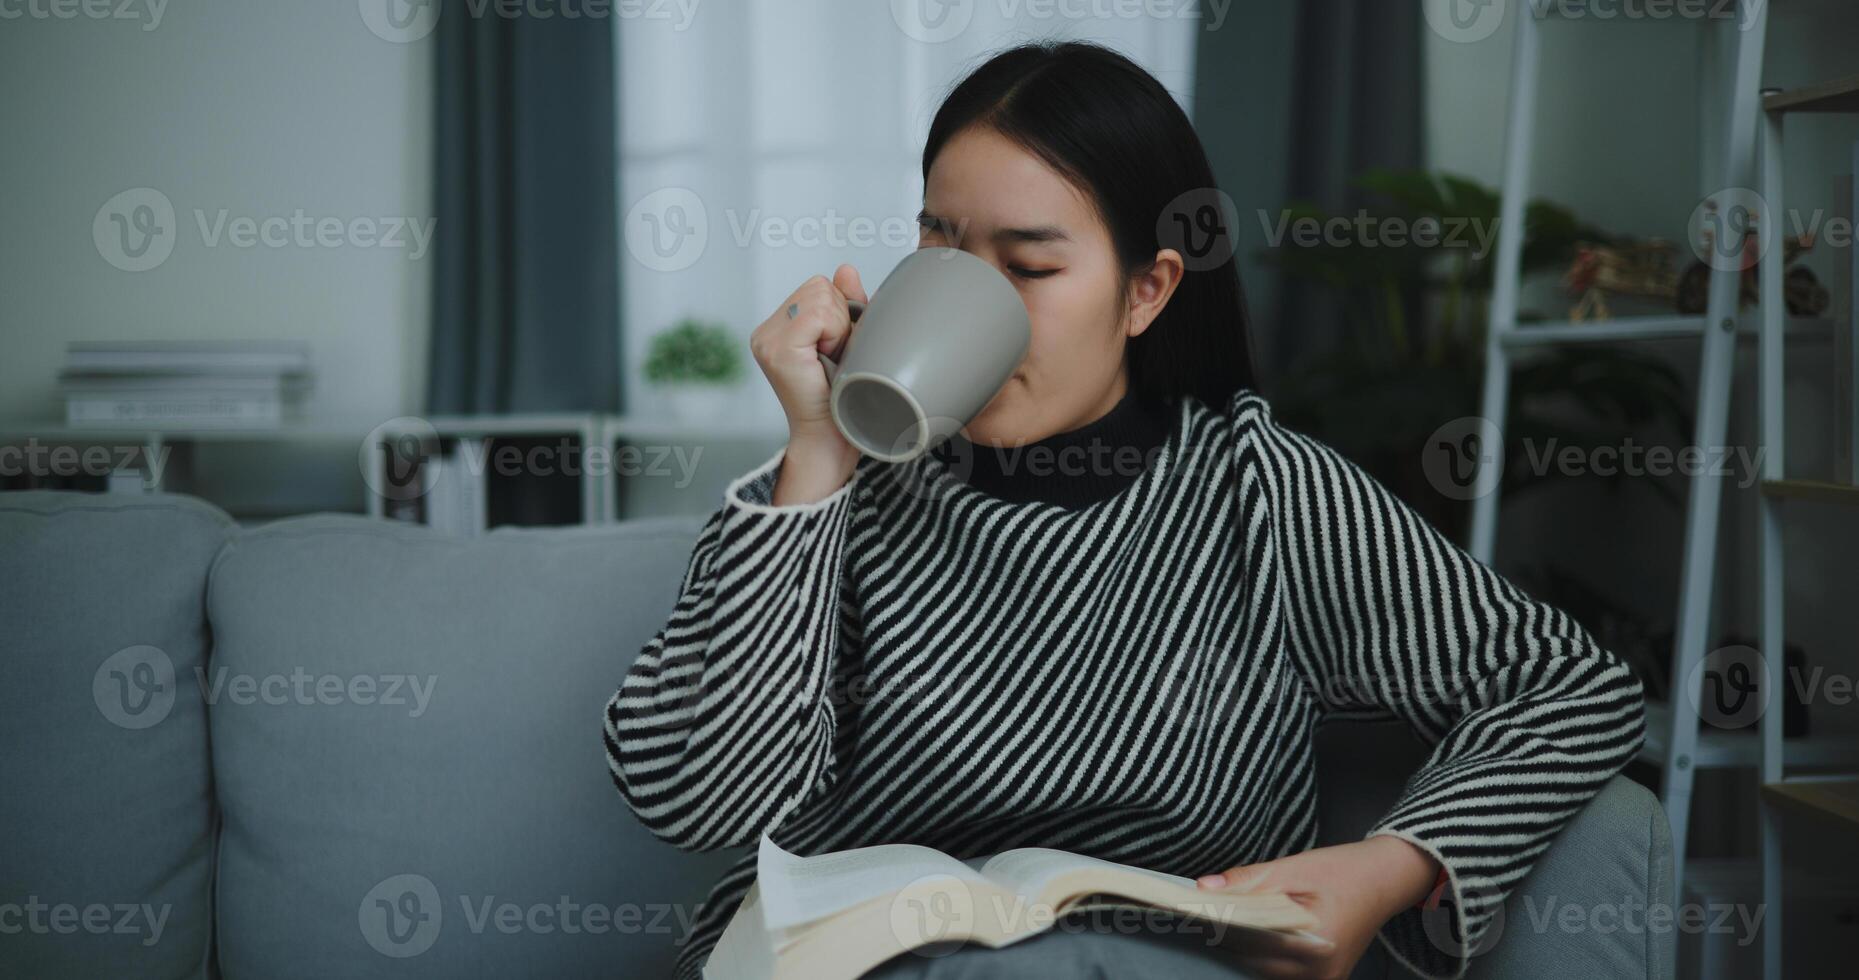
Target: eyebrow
1036,235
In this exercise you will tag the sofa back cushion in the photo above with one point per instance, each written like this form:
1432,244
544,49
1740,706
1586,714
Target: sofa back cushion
105,806
407,749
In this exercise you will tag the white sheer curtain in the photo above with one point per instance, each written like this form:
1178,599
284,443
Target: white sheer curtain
769,141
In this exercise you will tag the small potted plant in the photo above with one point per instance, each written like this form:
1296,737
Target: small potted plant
691,365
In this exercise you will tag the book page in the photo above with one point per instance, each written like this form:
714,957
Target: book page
1027,870
796,890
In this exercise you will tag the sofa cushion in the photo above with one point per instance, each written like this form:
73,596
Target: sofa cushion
407,746
105,858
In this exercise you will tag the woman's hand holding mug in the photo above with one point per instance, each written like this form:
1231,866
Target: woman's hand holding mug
815,319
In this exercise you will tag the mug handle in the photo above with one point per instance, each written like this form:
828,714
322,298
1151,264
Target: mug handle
857,309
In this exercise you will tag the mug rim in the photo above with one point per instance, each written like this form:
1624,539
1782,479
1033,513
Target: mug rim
919,427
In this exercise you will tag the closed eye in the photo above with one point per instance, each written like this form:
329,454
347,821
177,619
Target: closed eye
1025,273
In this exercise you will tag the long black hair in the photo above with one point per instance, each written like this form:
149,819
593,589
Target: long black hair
1115,132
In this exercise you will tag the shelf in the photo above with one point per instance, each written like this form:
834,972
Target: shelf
1723,749
632,428
537,424
1630,328
1839,95
1816,490
1836,797
90,434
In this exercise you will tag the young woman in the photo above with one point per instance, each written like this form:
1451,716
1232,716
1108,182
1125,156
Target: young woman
1125,655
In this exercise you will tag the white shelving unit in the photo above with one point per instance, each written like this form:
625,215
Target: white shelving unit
1837,795
1674,741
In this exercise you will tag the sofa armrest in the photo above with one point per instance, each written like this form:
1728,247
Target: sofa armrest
1583,909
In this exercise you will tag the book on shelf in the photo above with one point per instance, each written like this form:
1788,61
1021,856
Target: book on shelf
203,409
191,387
839,915
188,357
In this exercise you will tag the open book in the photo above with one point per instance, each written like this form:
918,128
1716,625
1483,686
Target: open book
838,915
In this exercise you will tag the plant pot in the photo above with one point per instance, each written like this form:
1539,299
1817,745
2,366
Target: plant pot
693,402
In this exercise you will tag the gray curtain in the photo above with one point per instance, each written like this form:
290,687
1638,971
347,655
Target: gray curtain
1292,101
526,270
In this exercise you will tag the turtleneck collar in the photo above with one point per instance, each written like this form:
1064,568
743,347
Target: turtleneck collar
1070,469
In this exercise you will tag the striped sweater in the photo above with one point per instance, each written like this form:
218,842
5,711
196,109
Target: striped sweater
1140,679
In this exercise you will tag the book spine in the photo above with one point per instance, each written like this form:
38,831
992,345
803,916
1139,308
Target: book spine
240,409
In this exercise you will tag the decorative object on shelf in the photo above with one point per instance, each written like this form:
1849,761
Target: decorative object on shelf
204,384
1801,290
1623,267
1412,354
691,365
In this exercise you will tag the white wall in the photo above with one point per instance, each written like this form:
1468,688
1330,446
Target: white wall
260,109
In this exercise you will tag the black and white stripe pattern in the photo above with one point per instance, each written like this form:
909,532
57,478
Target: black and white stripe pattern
912,660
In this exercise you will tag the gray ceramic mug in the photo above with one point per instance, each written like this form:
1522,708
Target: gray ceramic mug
935,344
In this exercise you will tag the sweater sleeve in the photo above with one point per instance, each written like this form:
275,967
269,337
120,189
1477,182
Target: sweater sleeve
1527,716
726,721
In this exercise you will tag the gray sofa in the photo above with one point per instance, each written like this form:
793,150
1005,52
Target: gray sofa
339,747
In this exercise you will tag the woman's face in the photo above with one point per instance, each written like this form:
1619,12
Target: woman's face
989,196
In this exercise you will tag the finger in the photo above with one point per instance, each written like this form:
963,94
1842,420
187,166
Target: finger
847,280
1238,879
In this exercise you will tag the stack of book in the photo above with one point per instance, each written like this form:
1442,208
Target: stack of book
211,384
